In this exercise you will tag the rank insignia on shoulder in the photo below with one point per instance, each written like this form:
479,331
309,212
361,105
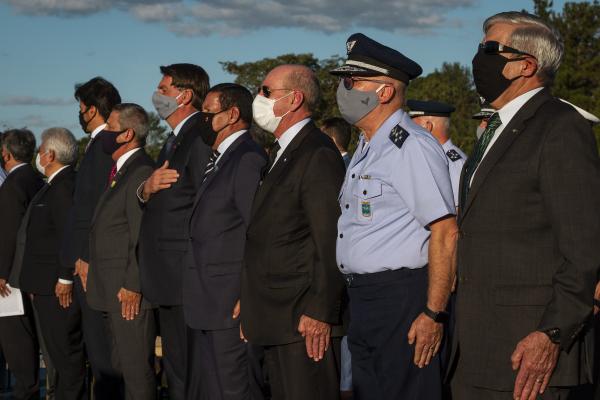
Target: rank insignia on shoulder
398,135
453,155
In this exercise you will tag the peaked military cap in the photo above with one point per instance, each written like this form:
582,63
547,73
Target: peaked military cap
434,108
367,57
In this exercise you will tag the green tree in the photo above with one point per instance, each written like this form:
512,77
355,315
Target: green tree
452,84
157,135
578,79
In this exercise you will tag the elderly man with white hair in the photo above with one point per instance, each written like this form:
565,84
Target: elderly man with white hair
37,269
528,256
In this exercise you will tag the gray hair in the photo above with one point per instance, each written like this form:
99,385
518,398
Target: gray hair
62,142
133,116
533,36
304,79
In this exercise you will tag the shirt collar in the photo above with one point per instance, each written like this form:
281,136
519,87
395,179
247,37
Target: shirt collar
511,108
15,168
384,130
96,131
228,141
125,157
180,125
447,145
286,138
56,173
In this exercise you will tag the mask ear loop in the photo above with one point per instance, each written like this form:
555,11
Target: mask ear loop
282,97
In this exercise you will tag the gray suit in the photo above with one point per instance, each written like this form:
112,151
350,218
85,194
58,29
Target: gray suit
113,265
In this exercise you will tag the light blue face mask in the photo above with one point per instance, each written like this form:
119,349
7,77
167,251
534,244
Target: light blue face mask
354,104
165,105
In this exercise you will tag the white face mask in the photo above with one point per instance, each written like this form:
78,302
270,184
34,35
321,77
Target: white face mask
264,116
38,164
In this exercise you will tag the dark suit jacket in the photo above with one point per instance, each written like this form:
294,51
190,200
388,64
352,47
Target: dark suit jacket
114,236
15,194
218,230
37,266
92,179
290,265
528,253
164,234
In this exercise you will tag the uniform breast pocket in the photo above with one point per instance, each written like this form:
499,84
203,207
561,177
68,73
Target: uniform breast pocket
367,194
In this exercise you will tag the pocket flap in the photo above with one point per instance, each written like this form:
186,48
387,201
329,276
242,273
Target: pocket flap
367,188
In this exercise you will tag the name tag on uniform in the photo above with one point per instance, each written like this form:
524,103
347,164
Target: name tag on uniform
365,208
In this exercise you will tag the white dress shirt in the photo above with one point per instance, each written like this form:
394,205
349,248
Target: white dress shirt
56,173
228,141
183,121
16,167
97,131
286,138
125,157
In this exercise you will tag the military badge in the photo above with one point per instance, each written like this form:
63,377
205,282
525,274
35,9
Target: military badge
365,207
453,155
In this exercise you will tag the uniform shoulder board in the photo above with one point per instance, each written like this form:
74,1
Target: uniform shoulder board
398,135
453,155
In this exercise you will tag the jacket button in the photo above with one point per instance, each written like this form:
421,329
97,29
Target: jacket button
364,192
353,175
347,206
342,266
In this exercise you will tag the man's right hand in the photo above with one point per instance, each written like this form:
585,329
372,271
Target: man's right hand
162,178
4,290
597,297
81,269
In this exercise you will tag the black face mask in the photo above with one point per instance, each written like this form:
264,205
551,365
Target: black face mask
109,141
82,122
487,73
208,133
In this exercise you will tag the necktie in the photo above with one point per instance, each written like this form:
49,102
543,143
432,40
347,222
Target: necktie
88,145
478,152
113,173
169,143
210,166
273,155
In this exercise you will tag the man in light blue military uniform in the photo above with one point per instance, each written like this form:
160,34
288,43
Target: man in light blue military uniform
434,116
397,232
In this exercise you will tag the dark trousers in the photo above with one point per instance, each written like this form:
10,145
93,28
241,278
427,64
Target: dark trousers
383,307
108,383
132,344
217,365
61,329
50,375
174,346
19,345
294,376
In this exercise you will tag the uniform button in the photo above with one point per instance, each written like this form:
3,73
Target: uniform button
364,192
342,266
341,235
347,206
353,176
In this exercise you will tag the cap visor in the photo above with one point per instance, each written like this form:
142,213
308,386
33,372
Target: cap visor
353,70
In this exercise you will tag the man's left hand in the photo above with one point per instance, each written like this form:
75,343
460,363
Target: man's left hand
316,335
597,297
426,334
130,303
64,292
535,357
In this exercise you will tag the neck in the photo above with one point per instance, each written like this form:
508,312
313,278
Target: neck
11,164
442,137
370,123
179,115
94,123
124,149
225,133
290,120
52,168
515,90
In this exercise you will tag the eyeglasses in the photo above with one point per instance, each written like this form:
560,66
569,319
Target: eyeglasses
493,47
349,81
266,91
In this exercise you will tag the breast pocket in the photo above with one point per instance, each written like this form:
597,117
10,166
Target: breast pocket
368,194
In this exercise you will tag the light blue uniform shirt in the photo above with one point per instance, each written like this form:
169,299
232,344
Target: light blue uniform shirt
395,186
456,160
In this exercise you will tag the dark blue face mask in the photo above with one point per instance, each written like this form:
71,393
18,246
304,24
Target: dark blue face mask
109,141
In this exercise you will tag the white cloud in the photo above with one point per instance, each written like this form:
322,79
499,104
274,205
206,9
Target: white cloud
227,17
35,101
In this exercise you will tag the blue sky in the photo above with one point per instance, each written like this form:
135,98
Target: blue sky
49,45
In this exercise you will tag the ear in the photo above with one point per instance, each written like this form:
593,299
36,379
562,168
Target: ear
51,155
386,94
297,100
187,96
234,115
530,67
429,126
127,136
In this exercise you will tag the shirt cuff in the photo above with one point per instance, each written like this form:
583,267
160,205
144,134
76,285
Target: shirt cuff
140,191
65,281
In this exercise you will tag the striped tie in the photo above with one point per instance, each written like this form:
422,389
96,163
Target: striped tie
477,155
210,166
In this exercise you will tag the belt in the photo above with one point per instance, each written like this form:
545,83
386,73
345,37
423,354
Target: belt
355,280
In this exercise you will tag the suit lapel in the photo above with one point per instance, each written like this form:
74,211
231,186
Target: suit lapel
503,143
282,165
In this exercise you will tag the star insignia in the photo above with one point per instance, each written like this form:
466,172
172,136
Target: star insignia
398,135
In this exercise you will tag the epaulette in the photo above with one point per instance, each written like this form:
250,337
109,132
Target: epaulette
453,155
398,135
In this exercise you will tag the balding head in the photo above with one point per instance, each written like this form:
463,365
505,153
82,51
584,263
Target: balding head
302,79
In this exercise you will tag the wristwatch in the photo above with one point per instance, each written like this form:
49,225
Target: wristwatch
437,316
553,334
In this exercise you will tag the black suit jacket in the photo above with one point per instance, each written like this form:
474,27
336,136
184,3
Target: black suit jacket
92,179
164,233
15,194
37,266
528,253
218,230
290,259
114,236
